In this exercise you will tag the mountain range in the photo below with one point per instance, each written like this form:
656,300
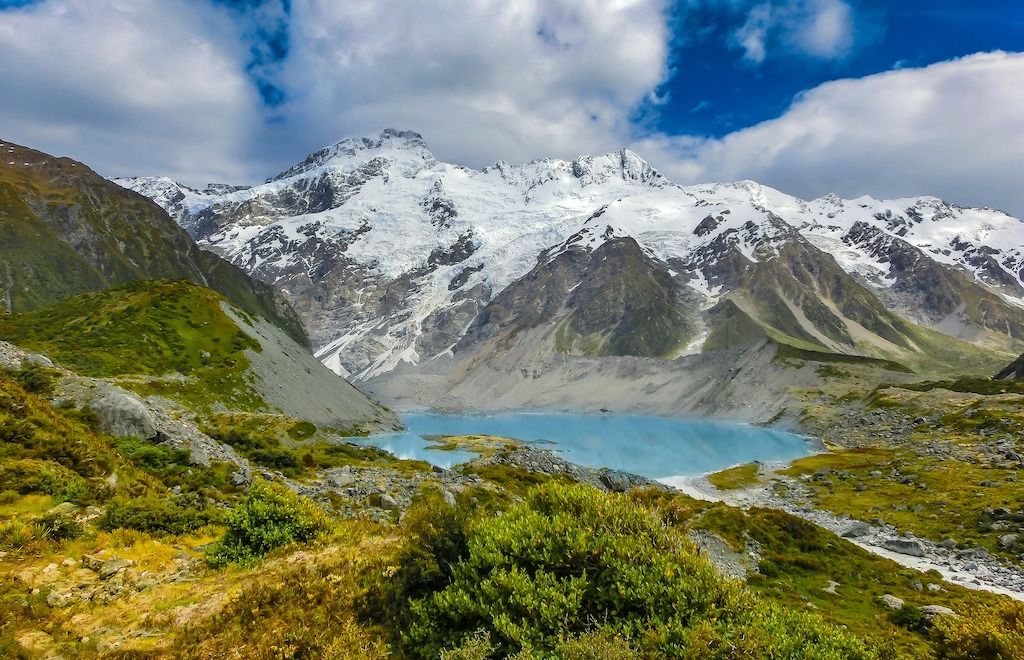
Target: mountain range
414,275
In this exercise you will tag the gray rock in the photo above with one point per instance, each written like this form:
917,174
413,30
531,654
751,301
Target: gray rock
932,611
948,544
122,415
1007,541
910,547
36,360
113,566
856,529
892,602
64,509
58,599
617,482
449,498
389,503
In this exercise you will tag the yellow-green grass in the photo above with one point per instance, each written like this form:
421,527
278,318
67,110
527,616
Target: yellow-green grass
798,560
739,476
942,498
483,445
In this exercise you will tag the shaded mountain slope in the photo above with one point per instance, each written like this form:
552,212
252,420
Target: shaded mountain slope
66,230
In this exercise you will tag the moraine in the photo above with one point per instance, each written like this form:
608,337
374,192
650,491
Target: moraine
655,447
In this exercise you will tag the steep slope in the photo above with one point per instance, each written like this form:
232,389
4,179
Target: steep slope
177,340
66,230
393,258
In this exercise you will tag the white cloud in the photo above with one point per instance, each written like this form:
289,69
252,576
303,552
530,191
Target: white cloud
953,129
482,80
131,86
822,29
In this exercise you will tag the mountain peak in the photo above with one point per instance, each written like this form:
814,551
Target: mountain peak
398,145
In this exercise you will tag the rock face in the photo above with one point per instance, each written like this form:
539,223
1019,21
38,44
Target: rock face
395,260
1012,371
122,415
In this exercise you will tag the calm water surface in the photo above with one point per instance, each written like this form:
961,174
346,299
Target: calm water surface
655,447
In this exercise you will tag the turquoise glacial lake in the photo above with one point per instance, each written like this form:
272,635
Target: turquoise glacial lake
655,447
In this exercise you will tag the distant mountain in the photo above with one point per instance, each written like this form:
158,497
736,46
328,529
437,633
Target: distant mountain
398,262
66,230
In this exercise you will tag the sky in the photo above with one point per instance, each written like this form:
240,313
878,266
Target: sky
854,97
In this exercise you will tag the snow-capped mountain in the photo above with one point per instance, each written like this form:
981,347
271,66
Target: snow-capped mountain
395,258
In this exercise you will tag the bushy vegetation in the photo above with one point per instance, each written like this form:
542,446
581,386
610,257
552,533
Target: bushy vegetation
271,516
293,448
996,633
158,515
573,561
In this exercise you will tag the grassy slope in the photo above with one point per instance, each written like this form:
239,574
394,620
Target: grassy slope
152,329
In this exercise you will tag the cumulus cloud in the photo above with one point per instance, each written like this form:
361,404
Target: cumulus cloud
822,29
482,80
133,86
953,129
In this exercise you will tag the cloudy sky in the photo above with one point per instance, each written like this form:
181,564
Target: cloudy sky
809,96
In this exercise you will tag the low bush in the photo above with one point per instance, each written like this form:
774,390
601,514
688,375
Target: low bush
34,378
271,516
996,633
60,527
154,515
570,560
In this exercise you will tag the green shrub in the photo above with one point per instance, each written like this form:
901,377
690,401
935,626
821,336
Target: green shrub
34,378
178,515
26,476
571,559
996,633
435,541
60,527
270,516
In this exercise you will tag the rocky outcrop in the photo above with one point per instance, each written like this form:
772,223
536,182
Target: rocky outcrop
122,415
1012,371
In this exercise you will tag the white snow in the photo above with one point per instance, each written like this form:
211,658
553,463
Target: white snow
514,213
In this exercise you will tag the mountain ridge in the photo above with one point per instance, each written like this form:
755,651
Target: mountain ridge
390,255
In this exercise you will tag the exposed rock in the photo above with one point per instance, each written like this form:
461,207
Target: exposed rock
389,503
37,360
932,611
113,566
856,529
904,546
122,415
892,602
617,482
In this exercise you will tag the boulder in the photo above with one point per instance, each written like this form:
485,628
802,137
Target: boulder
122,415
910,547
892,602
1007,541
389,503
932,611
36,360
113,566
856,529
617,482
66,509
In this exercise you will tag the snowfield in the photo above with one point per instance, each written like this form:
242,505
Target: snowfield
386,206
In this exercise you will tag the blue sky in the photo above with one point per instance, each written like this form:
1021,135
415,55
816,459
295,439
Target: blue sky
724,92
810,96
